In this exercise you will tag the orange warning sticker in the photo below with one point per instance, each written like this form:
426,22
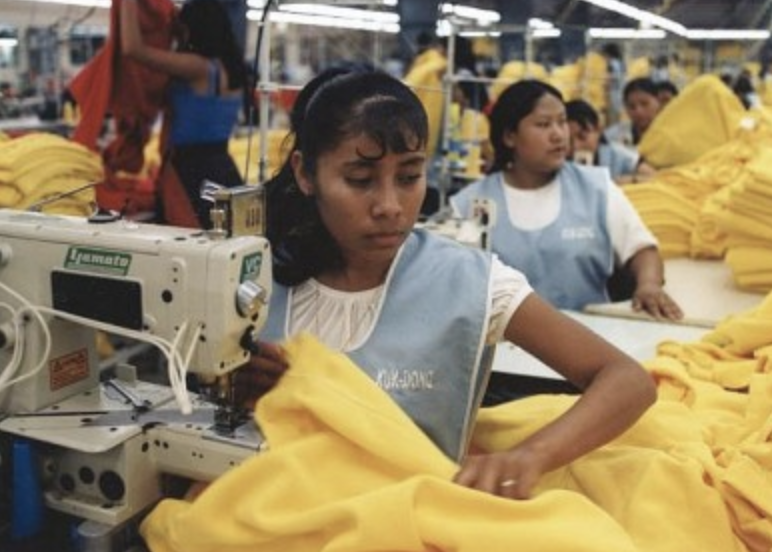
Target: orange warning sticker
68,369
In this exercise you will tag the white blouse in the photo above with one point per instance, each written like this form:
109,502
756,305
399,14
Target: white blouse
343,320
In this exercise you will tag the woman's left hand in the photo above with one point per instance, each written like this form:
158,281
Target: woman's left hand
510,474
654,300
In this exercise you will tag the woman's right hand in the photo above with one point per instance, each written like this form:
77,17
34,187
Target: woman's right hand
263,371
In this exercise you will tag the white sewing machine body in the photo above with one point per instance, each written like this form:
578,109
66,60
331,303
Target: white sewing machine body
106,443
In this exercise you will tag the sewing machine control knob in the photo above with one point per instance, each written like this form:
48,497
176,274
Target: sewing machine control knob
250,296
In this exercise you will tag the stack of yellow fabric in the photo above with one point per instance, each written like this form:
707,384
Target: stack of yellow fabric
745,220
37,167
667,213
708,184
706,114
346,470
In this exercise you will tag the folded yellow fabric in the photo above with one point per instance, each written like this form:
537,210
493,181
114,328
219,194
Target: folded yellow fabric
347,471
706,114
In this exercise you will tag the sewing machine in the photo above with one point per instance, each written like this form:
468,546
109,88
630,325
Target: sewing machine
199,297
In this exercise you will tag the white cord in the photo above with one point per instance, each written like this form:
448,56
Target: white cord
177,366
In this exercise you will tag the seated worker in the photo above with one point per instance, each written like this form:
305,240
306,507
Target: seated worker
624,164
564,225
666,91
350,268
206,96
642,104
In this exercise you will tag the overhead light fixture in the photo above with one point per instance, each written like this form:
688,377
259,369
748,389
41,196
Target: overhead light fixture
474,15
326,21
645,17
9,42
727,34
622,33
83,3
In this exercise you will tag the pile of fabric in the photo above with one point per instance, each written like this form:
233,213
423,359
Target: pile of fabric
36,168
346,470
717,206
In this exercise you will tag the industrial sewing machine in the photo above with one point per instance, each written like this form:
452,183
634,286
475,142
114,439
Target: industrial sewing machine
197,296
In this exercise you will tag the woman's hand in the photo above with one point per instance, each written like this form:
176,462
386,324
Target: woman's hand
652,299
510,474
263,371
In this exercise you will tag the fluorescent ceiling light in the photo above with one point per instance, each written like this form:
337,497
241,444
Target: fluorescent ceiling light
545,33
326,21
726,34
621,33
538,23
344,13
84,3
643,16
9,42
479,16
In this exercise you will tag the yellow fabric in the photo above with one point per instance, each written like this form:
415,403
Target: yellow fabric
348,471
37,167
513,71
704,115
567,79
425,78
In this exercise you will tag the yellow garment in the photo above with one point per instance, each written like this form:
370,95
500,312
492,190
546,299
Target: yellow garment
425,78
37,167
704,115
743,333
513,71
348,471
567,79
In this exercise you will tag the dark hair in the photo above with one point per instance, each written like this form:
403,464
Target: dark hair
667,86
333,107
211,35
583,114
612,50
641,84
515,103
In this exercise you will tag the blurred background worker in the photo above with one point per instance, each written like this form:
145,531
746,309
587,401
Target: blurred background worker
588,146
205,97
642,104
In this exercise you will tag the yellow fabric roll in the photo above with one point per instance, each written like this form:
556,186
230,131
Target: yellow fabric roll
348,471
706,114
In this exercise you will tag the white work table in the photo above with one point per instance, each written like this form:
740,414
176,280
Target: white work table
638,338
704,289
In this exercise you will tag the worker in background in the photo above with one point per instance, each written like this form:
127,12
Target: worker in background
564,225
642,104
616,71
588,146
350,268
204,100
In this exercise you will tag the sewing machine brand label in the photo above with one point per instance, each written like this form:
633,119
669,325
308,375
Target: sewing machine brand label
250,266
97,260
68,369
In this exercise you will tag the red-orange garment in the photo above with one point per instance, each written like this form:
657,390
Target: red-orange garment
132,93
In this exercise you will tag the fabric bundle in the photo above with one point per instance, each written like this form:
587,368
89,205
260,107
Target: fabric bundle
38,167
347,471
706,114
